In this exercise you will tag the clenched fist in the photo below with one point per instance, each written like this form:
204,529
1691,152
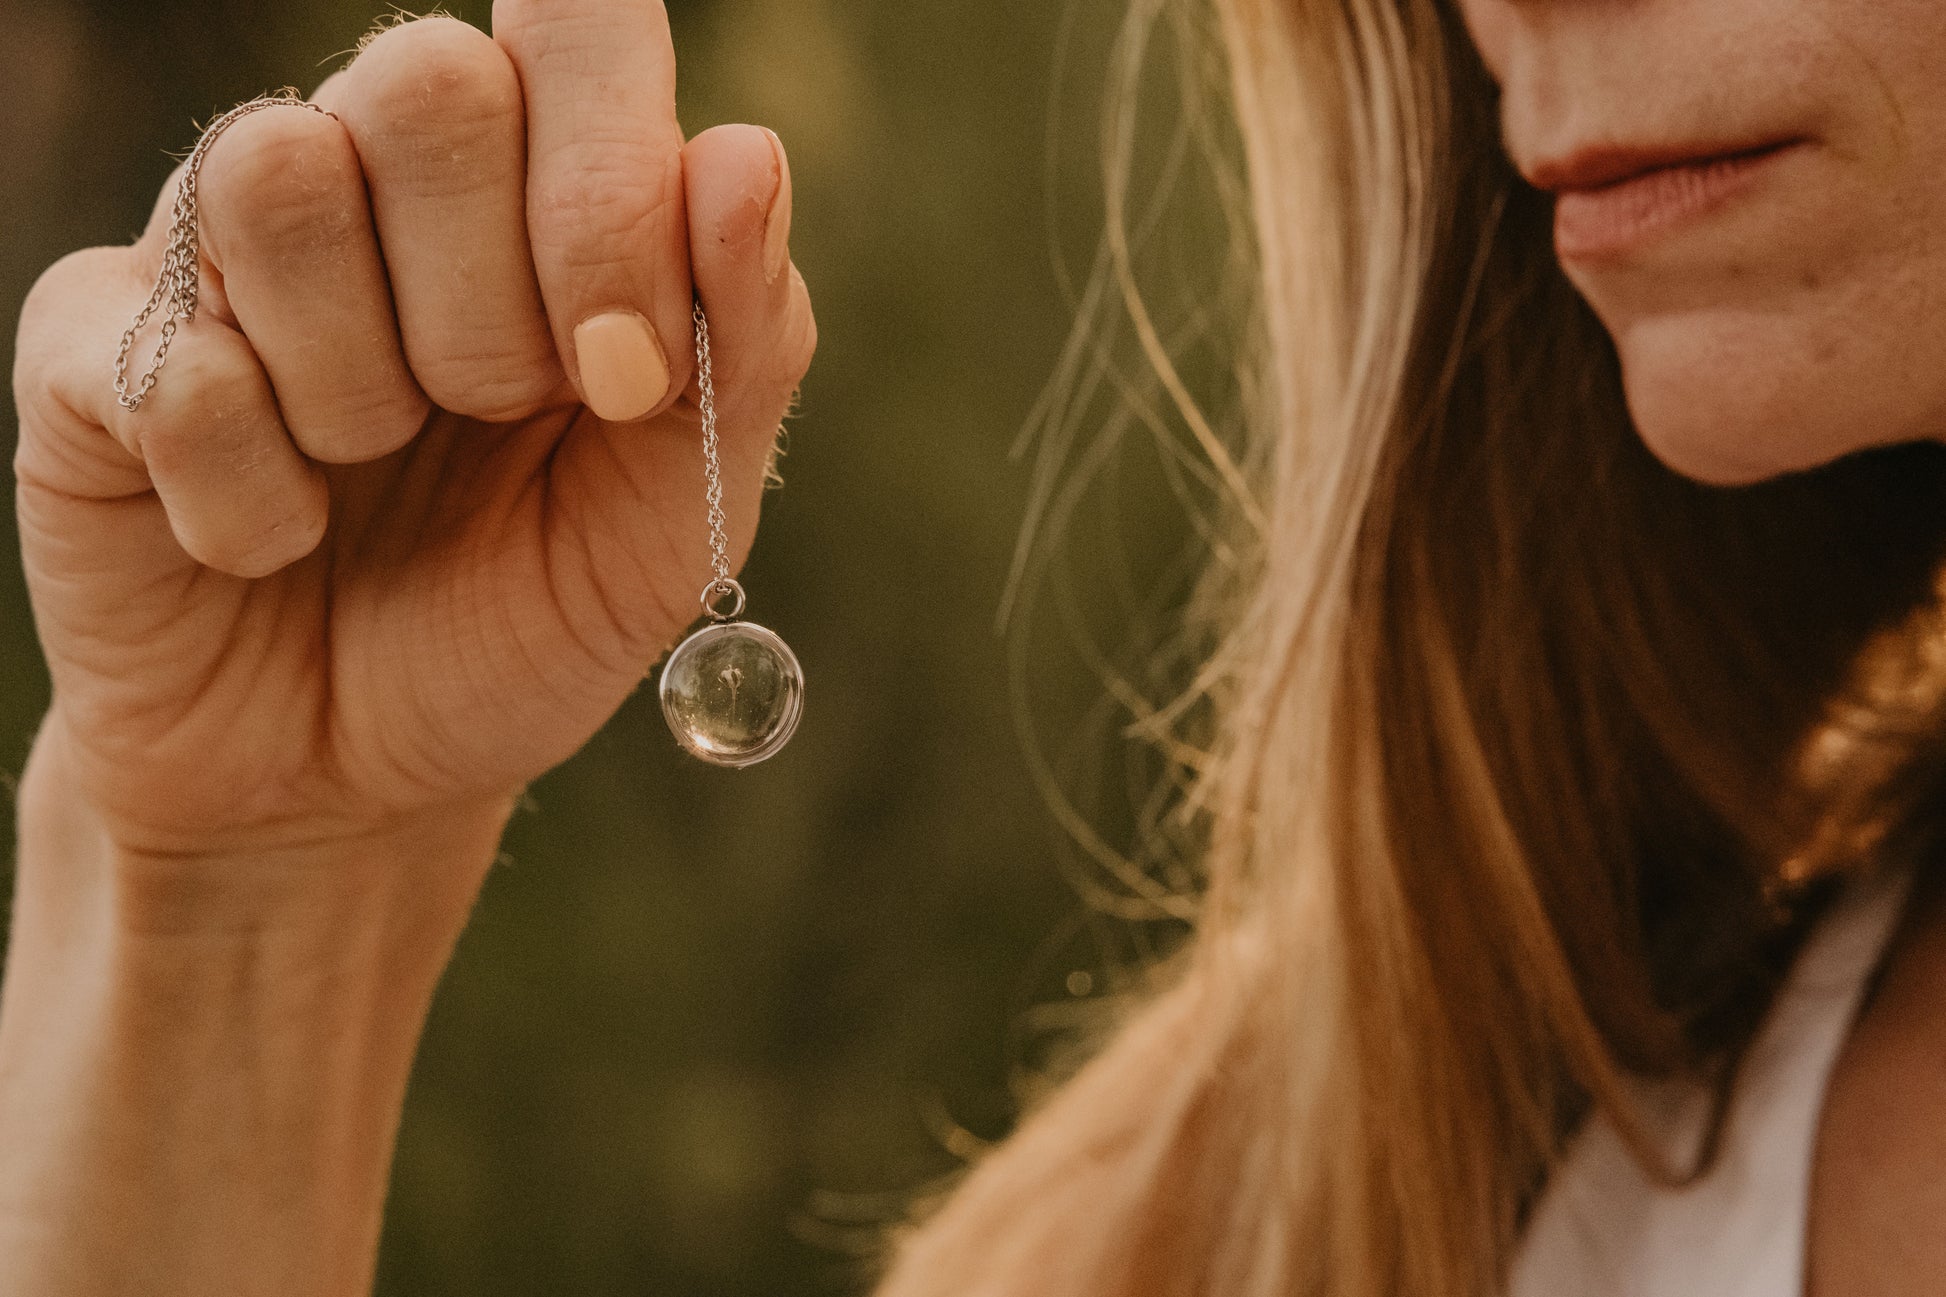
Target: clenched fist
418,499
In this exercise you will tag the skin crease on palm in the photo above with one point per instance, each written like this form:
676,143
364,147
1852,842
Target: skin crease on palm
1802,320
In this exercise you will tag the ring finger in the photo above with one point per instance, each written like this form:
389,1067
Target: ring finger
287,229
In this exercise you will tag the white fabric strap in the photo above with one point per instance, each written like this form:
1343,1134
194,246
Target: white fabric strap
1604,1229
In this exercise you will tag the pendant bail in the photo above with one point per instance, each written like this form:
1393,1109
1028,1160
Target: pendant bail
716,592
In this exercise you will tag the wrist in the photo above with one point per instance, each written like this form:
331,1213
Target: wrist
203,1057
418,870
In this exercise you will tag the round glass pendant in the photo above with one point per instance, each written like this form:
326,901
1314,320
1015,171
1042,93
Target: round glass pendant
732,693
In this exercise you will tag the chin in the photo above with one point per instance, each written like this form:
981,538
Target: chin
1724,408
1716,444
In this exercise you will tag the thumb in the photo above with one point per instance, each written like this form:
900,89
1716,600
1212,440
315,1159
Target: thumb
633,498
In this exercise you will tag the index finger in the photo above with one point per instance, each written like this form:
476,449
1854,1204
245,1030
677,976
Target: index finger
605,211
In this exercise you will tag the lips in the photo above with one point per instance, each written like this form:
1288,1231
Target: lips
1611,199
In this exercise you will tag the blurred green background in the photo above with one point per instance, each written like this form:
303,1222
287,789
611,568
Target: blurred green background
707,1025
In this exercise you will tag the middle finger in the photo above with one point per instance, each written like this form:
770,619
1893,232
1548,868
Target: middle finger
434,108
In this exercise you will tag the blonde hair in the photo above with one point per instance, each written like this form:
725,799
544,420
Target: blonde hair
1526,762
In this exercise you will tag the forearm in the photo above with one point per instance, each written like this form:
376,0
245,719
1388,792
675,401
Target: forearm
203,1062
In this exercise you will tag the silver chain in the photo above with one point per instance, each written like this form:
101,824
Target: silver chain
723,587
178,284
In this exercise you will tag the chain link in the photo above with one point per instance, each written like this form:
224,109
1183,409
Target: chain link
178,284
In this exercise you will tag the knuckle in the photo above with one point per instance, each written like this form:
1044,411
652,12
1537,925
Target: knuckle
364,427
209,411
54,291
283,177
272,546
771,374
166,449
493,389
436,84
49,318
600,211
544,28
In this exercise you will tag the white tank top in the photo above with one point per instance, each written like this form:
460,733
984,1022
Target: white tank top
1604,1229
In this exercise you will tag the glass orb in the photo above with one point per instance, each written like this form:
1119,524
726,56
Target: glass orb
732,693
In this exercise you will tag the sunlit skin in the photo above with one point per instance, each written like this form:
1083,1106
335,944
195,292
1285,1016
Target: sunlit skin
394,534
1772,321
1804,317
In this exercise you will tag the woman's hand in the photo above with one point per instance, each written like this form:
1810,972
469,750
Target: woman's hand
418,500
415,504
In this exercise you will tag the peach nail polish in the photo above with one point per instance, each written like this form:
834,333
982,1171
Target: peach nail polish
623,373
777,227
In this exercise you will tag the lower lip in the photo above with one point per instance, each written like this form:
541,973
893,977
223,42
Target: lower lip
1614,219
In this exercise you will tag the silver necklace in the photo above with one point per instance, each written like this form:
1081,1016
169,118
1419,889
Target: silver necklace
732,691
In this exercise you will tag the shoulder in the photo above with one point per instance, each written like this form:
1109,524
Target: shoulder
1605,1228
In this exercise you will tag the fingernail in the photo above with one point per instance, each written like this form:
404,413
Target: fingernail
777,228
623,374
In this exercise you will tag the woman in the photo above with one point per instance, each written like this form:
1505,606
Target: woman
1580,712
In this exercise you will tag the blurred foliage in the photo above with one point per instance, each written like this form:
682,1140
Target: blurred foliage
705,1024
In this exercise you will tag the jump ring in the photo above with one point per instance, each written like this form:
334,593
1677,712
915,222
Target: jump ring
718,590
